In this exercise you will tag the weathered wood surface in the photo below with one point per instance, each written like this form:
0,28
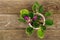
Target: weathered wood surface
20,35
14,6
11,29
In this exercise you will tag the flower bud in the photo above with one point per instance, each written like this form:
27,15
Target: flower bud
35,17
26,17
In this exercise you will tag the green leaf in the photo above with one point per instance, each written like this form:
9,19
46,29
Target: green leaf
49,22
31,15
43,28
24,12
29,30
35,6
38,17
41,9
48,14
40,33
21,19
35,24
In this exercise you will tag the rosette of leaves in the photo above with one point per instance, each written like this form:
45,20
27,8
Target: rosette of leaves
29,17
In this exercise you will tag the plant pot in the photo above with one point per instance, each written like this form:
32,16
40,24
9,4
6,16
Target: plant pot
43,20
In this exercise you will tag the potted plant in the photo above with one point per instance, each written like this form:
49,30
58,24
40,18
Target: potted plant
36,20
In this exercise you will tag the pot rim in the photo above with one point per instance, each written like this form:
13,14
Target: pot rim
43,20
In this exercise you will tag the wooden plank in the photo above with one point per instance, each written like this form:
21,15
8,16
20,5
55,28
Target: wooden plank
14,6
21,35
10,21
9,14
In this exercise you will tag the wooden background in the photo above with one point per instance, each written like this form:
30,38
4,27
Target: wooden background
11,29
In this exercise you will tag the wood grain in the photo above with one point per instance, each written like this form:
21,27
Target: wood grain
12,29
21,35
10,21
14,6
